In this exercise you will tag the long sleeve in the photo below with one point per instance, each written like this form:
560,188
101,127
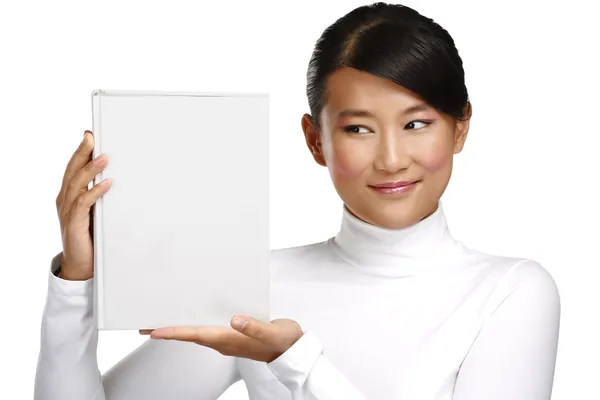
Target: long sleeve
309,375
514,354
67,365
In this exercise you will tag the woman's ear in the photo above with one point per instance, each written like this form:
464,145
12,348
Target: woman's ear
313,139
462,129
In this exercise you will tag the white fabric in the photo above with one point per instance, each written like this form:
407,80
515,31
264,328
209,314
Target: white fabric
388,314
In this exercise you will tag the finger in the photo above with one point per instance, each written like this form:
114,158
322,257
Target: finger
211,336
81,207
80,181
252,328
146,331
79,158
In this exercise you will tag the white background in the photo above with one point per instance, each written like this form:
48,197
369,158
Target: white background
525,184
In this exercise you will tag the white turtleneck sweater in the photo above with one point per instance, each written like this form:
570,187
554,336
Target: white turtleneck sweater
405,314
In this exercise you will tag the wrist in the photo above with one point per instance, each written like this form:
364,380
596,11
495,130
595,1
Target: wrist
70,276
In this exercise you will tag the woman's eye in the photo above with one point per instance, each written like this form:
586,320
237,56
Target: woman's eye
417,122
355,129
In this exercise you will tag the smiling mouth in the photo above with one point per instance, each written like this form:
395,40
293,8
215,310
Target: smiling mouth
389,188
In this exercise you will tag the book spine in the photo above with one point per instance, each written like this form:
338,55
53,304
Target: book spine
97,215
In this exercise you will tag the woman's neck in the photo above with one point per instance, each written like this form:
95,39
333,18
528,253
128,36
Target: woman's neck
362,244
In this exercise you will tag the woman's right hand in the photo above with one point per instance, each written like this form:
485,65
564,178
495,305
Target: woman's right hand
73,204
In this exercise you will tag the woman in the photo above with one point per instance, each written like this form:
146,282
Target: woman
392,307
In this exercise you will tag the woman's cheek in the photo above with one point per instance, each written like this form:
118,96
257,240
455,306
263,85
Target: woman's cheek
436,161
349,164
435,156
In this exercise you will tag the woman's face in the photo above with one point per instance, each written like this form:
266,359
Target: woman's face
377,136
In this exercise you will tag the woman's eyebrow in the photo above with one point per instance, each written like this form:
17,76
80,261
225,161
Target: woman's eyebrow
364,113
356,113
416,108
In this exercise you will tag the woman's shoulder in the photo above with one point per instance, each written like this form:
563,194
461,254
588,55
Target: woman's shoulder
522,266
301,254
511,273
302,260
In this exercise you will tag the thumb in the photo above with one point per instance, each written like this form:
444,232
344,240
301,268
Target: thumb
250,327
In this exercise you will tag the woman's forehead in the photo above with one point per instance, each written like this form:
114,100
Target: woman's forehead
348,87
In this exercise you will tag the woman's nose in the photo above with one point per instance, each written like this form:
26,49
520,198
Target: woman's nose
392,155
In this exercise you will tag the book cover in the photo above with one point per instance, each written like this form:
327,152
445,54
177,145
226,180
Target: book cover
182,235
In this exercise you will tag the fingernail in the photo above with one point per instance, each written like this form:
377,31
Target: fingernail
239,323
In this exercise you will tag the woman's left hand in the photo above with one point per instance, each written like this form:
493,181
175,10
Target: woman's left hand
249,338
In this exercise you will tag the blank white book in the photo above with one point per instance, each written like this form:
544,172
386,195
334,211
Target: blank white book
182,235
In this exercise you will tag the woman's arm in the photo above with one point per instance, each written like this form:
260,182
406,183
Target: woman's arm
67,365
309,375
514,354
513,357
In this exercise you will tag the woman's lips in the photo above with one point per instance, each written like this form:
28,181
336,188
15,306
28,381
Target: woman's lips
394,187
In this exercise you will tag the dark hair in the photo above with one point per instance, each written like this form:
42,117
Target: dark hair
393,42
